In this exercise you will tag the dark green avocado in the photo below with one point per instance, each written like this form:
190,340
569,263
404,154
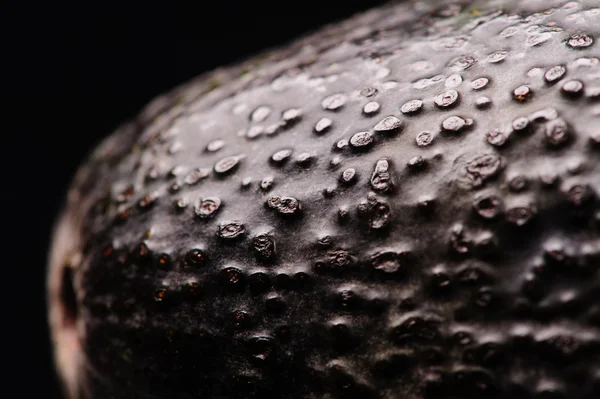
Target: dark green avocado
403,205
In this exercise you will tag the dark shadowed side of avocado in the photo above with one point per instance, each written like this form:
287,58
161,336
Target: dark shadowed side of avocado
402,205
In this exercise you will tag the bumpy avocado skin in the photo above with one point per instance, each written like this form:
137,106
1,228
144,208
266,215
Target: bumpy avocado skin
402,205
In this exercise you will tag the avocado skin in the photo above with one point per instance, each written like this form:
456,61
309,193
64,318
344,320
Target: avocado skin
267,230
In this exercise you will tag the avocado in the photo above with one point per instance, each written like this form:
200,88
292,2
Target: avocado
401,205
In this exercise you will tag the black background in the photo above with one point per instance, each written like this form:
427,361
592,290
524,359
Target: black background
74,72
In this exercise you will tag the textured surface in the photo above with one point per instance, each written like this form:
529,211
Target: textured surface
403,205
